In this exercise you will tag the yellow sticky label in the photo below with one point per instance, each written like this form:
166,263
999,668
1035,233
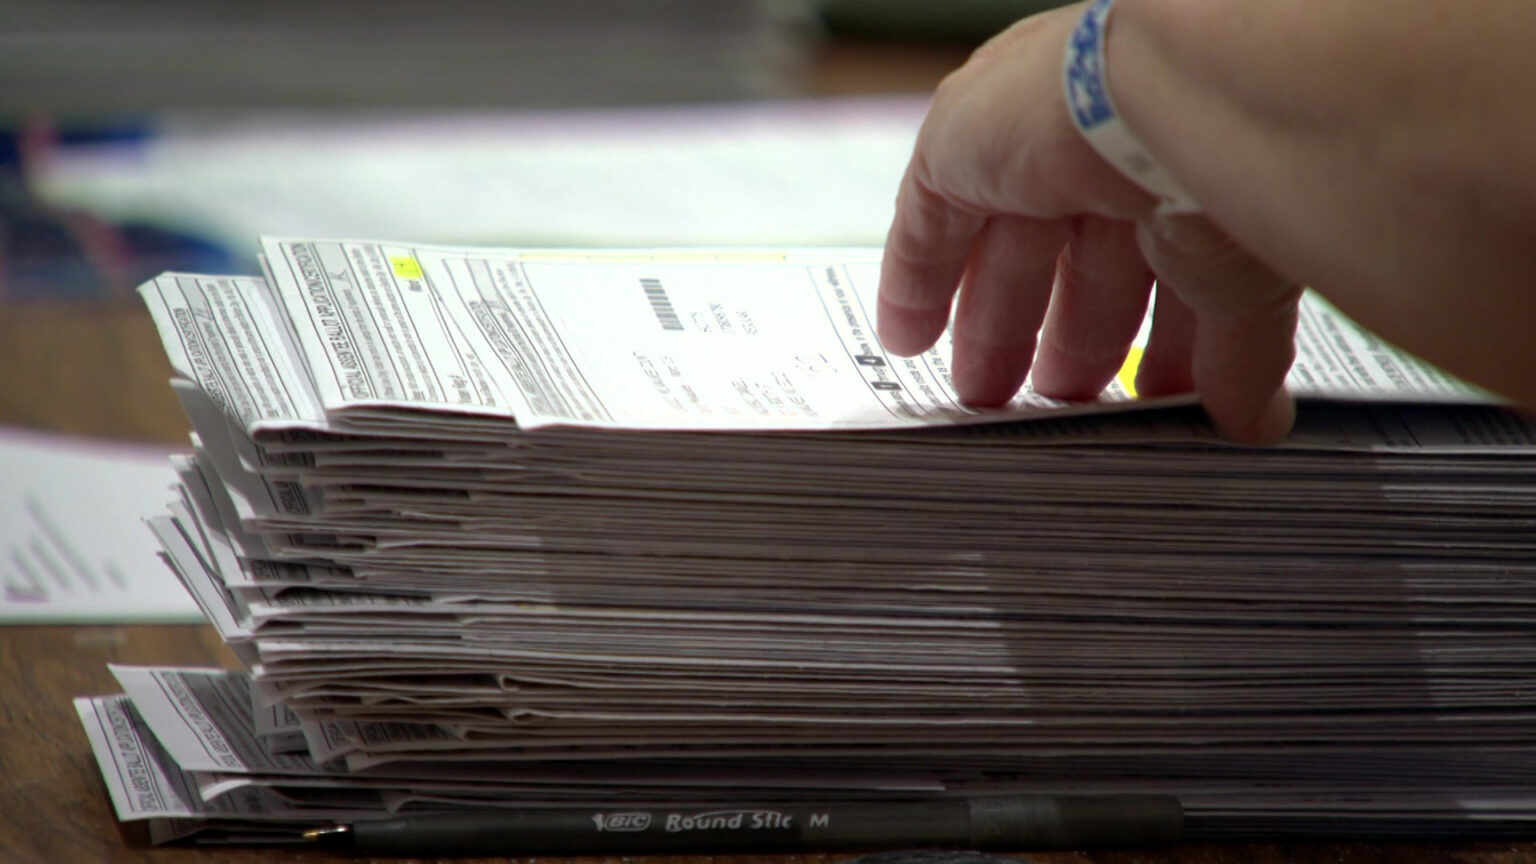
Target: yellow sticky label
405,266
1127,374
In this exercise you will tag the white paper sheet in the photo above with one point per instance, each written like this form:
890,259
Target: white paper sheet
73,546
780,173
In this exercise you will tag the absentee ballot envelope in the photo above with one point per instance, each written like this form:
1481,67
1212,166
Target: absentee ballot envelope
500,527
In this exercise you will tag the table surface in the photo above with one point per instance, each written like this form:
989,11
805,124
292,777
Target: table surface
98,370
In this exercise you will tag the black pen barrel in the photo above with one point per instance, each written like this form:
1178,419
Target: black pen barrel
1004,823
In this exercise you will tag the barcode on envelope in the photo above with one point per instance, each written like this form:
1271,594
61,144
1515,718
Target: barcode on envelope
661,304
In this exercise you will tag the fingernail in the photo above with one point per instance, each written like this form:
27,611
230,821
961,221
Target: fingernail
988,377
905,331
1273,423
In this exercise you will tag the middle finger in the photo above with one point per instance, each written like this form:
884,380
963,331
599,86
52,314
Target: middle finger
1002,302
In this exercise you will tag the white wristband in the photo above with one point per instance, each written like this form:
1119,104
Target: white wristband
1094,114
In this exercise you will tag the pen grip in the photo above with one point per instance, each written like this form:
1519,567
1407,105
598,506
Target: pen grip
1005,823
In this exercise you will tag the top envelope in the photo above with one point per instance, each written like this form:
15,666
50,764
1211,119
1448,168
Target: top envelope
753,340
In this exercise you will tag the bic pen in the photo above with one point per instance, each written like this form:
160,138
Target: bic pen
1017,823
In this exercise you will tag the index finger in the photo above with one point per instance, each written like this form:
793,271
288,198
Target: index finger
925,255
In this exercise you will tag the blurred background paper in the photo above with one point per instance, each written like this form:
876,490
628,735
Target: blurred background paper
72,534
770,173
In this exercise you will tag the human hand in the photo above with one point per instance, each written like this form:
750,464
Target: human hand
1005,201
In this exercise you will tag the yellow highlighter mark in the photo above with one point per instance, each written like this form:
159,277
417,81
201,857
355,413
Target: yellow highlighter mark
405,266
1127,373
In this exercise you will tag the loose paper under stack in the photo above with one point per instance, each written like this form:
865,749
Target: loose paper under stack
522,529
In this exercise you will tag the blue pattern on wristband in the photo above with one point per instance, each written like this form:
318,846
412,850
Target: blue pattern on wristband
1087,91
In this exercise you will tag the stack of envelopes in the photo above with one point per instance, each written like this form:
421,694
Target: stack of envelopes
495,528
